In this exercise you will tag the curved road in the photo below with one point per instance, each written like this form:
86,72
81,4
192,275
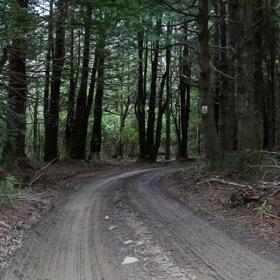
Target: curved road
122,227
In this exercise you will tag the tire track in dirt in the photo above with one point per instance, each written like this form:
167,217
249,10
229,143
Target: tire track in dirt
76,242
213,254
73,242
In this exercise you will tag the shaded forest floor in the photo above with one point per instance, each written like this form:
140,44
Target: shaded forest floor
219,203
17,218
195,189
54,182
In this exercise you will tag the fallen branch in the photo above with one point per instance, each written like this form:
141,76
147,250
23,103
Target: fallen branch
267,152
224,182
264,166
39,173
273,216
275,193
3,224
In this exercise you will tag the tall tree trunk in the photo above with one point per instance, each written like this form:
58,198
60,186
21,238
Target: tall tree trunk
79,132
185,95
96,140
277,83
226,97
35,126
153,94
250,133
216,53
49,57
161,109
232,38
124,110
51,131
17,94
168,96
72,90
269,21
140,104
213,148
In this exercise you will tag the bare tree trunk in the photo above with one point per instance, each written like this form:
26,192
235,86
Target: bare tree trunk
268,20
232,38
213,148
49,58
216,54
35,126
17,94
79,132
161,109
72,91
226,98
140,104
51,131
168,97
124,110
185,94
153,95
277,86
96,140
250,133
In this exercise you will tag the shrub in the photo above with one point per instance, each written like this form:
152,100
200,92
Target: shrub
236,163
265,208
8,190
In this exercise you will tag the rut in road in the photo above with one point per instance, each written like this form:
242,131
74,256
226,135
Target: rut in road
88,238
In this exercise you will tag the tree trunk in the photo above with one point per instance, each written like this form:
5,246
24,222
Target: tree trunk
168,97
185,95
72,92
96,140
277,88
268,20
213,149
232,38
216,54
35,126
140,104
49,57
161,109
226,97
250,133
17,94
79,132
124,110
153,95
51,131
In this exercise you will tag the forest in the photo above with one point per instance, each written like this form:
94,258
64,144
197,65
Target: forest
116,79
140,139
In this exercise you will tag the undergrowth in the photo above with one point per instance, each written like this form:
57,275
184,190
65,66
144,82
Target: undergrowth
236,164
9,192
265,208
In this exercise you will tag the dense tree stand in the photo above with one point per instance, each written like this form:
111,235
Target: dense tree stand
148,80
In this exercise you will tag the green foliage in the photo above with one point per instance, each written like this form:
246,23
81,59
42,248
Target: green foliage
7,125
265,208
8,192
235,163
12,19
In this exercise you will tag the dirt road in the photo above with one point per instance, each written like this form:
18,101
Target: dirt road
122,227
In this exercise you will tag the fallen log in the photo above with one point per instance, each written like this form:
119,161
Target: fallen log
242,197
224,182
